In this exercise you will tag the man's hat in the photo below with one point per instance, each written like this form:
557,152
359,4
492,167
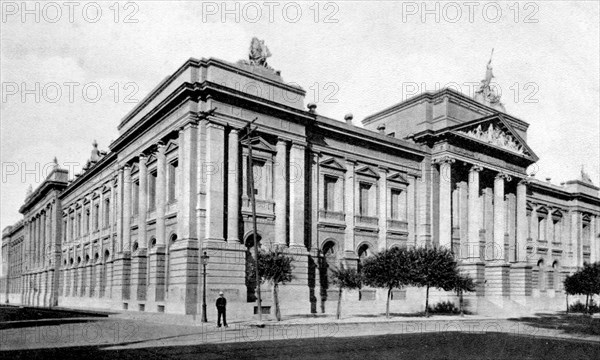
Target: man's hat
220,293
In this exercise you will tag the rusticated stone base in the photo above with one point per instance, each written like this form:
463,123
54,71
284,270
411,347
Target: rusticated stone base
138,275
475,270
182,297
520,281
497,280
156,285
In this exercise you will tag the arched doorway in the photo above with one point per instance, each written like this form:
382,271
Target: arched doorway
250,242
329,260
541,275
169,260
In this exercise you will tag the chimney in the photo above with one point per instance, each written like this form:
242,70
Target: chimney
312,108
381,129
348,117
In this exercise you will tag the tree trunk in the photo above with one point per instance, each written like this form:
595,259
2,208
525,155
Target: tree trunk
460,303
567,303
276,301
587,297
338,314
427,302
387,305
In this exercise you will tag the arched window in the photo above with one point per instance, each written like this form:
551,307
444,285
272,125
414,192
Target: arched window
135,246
152,242
172,239
541,275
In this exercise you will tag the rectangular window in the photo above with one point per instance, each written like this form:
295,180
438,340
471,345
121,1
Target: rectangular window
260,181
541,228
395,204
152,191
72,228
106,213
87,221
172,185
364,199
96,216
329,193
66,229
79,225
135,197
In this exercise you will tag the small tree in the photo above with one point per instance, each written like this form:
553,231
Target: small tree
388,269
434,267
275,267
585,281
345,279
463,283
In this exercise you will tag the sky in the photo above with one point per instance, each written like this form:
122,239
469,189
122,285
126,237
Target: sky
71,70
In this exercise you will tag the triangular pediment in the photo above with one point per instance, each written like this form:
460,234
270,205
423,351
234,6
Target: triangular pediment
332,164
171,146
151,159
495,131
135,168
397,177
260,144
366,171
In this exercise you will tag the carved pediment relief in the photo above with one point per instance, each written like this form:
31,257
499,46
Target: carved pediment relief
492,134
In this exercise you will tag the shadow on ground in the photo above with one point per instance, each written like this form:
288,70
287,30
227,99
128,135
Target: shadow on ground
22,313
574,324
442,345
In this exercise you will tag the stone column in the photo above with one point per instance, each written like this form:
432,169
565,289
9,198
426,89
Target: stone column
497,271
122,259
127,209
383,206
233,189
521,272
297,193
281,198
349,208
138,258
497,252
411,207
522,221
183,289
143,201
474,213
156,285
215,197
445,214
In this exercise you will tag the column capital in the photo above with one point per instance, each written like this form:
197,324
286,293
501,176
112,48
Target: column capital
383,169
282,140
234,131
476,168
215,125
444,160
502,175
161,147
298,144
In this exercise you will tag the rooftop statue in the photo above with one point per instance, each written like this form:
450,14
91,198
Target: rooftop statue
259,52
257,59
585,177
486,94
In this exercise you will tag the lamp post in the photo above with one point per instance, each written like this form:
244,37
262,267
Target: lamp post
248,129
204,259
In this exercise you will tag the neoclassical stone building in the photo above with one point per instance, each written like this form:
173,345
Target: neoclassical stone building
438,169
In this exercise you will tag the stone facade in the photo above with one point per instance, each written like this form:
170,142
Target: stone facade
438,169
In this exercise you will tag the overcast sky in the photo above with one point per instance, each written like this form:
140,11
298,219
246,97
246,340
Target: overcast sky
354,57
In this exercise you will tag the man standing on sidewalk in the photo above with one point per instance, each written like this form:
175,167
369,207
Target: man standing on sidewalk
221,310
